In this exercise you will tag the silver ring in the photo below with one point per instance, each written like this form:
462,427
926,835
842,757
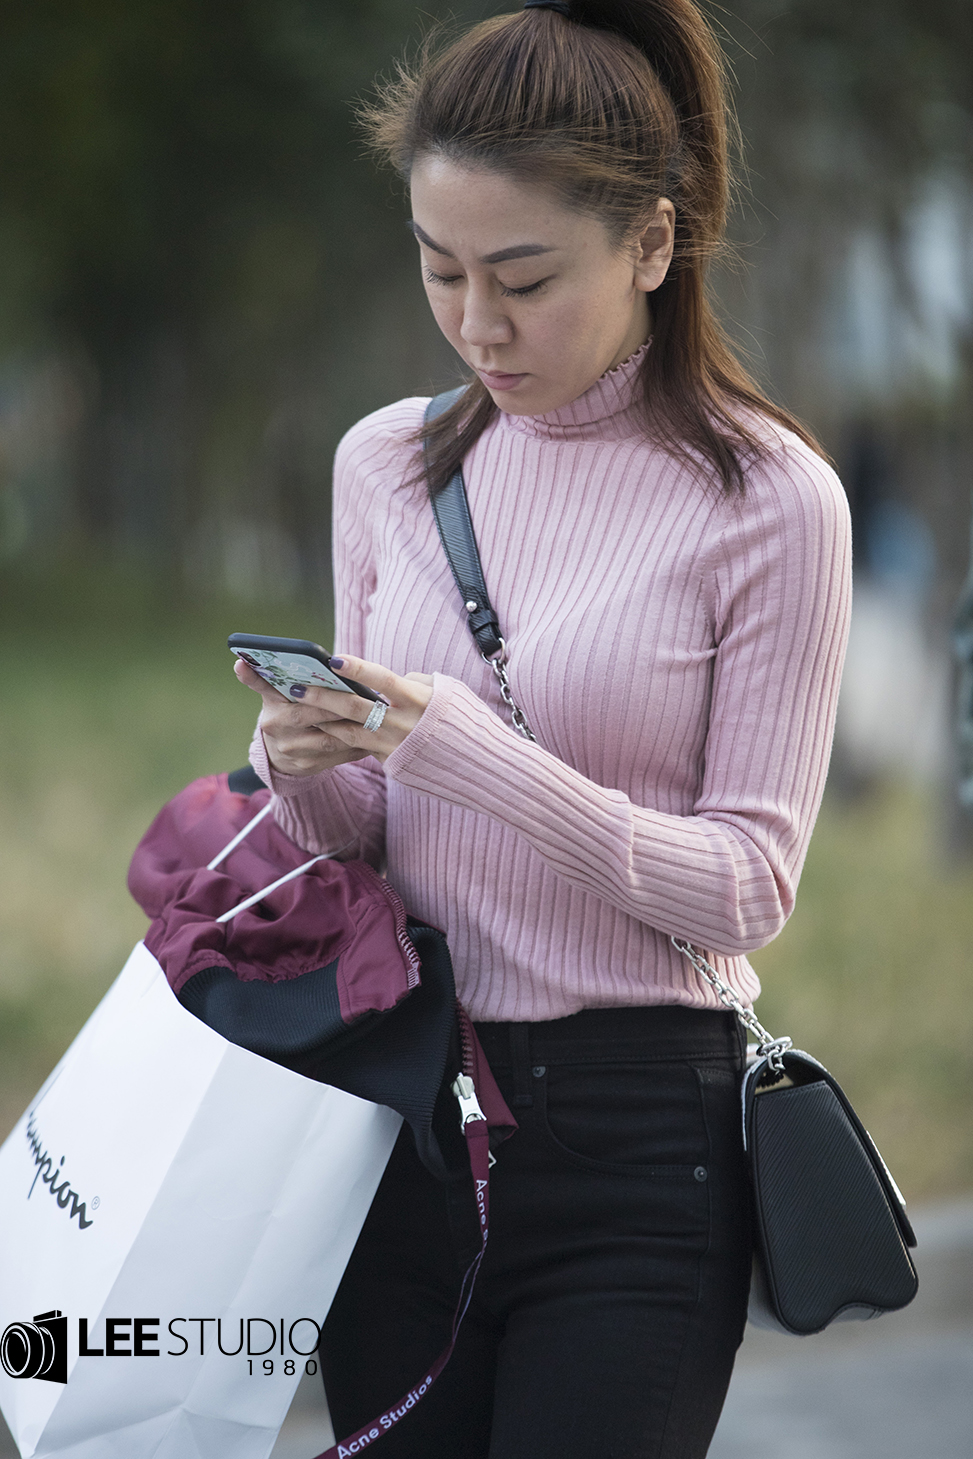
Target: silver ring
376,714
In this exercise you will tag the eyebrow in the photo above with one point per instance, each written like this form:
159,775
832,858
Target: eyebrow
519,250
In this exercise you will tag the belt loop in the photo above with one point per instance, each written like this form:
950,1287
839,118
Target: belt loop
520,1060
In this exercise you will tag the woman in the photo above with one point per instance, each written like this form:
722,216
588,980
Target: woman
669,558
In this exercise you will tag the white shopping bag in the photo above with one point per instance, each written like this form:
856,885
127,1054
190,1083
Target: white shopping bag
177,1212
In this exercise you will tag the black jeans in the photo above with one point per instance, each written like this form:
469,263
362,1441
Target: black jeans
613,1294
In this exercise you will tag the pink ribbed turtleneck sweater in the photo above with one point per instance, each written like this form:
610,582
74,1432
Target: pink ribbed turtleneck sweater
677,653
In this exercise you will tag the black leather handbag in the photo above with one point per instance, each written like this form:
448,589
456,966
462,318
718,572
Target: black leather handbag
832,1237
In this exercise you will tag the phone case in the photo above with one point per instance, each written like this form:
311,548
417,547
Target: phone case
293,665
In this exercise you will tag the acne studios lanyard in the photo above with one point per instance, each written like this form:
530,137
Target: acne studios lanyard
477,1134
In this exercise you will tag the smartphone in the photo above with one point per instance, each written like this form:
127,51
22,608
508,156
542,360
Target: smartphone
293,665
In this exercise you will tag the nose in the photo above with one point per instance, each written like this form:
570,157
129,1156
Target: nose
485,322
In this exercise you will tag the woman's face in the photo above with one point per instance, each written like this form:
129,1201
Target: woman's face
532,295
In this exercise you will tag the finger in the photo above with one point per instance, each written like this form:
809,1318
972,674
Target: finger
395,721
374,676
420,678
274,699
292,734
253,680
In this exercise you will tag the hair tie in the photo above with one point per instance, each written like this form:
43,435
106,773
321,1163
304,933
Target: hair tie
560,6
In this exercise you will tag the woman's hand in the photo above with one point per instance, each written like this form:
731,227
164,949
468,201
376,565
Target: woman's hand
326,727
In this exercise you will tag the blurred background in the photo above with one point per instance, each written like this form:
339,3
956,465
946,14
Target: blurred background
203,283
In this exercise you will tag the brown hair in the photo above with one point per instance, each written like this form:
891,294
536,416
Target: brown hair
614,107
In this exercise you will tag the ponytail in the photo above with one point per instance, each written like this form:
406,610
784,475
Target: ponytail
613,104
683,52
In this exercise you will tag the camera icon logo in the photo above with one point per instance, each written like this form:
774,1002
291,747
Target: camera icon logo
37,1349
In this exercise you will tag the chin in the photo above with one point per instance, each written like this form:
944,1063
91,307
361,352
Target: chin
529,401
505,400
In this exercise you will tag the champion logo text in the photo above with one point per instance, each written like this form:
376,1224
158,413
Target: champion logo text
50,1174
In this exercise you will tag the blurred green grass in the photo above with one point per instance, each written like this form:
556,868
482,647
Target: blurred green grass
115,695
873,975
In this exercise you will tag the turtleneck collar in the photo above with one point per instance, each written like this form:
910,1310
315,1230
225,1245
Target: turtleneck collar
608,410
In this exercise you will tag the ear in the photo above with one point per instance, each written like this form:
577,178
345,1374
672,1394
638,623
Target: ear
654,247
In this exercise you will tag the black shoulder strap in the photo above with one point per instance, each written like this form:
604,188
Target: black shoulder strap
452,513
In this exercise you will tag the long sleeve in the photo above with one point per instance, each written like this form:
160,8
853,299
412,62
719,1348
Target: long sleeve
725,875
339,811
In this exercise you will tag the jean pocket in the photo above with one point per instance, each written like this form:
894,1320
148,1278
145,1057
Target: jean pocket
634,1119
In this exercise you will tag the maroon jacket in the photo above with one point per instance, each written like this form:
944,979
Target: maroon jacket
327,974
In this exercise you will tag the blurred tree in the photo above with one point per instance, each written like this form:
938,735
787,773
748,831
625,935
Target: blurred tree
848,111
855,297
182,206
858,298
184,211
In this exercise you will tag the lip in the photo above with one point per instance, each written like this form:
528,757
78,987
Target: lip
499,379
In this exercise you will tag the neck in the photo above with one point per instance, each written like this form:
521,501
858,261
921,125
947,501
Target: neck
638,331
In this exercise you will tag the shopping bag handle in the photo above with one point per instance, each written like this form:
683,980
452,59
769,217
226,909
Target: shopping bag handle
240,836
288,876
259,896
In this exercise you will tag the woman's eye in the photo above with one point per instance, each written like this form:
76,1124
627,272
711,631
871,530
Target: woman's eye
522,293
442,278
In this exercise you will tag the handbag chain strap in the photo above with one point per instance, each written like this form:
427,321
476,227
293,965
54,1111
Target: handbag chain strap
768,1047
451,509
517,716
